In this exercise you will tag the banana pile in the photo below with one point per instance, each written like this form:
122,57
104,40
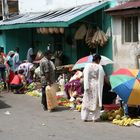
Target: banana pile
112,114
68,104
1,86
78,107
31,86
125,121
34,93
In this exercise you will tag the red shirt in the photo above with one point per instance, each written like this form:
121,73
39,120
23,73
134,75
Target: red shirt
16,80
3,54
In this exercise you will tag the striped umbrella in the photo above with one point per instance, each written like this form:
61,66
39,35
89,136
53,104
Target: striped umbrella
82,62
126,83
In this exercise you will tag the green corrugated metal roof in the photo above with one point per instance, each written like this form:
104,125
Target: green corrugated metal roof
57,18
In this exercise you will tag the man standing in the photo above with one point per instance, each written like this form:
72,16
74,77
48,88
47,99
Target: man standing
47,75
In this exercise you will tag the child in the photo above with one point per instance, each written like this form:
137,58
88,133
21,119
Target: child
17,83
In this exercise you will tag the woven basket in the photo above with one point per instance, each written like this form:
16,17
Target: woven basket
56,30
41,30
51,30
61,30
46,30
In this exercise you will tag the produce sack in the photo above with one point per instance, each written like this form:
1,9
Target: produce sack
51,97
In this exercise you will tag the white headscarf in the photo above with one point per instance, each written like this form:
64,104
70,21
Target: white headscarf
11,53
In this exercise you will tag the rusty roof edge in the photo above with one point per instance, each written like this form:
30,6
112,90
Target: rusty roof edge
125,6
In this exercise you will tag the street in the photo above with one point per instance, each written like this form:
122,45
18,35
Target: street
22,118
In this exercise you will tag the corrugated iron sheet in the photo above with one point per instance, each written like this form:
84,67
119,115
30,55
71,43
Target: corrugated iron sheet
62,15
125,6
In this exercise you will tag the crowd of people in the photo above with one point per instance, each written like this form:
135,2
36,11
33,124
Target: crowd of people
12,74
16,75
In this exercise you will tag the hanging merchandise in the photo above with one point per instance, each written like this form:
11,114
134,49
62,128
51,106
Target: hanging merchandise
43,30
108,32
46,30
89,35
61,30
56,30
81,32
99,38
51,30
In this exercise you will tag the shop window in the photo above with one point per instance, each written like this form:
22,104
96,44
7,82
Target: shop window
130,29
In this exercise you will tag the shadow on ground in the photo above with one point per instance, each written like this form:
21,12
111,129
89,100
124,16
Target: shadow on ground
61,108
4,105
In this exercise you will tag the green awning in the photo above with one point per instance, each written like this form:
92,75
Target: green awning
57,18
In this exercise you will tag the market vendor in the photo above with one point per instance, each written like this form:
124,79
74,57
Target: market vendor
74,87
26,66
9,68
17,84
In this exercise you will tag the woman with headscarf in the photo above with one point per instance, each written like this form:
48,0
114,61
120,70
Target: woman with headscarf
10,67
9,60
29,54
93,85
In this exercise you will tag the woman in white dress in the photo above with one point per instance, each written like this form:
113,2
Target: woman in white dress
93,85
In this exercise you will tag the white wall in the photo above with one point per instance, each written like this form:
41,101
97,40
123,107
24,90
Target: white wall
44,5
124,55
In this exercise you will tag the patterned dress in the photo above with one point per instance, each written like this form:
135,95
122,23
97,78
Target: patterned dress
93,85
26,67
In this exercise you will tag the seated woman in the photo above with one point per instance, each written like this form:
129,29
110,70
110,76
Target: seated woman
17,84
74,88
